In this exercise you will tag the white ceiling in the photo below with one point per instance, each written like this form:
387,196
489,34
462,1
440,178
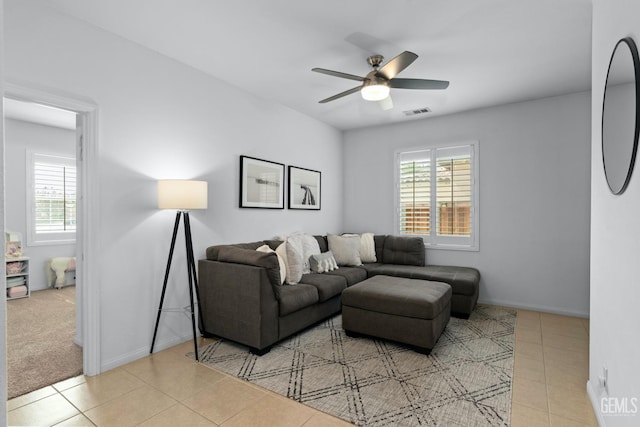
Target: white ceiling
492,51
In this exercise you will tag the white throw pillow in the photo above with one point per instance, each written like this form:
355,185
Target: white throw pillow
281,262
295,260
308,246
346,249
367,248
281,250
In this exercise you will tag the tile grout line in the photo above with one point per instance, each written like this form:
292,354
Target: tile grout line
177,402
564,416
544,369
33,401
77,409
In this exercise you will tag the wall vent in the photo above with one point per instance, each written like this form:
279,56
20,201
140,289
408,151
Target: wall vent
416,111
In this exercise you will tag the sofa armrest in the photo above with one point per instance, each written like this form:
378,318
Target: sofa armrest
238,302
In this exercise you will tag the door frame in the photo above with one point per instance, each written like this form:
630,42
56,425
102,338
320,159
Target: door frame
88,217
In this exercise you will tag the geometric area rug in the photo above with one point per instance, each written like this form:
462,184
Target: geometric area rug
465,381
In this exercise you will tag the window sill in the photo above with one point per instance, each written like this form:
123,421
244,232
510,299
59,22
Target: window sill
52,242
452,248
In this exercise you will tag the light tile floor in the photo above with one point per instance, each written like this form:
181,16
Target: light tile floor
168,389
551,371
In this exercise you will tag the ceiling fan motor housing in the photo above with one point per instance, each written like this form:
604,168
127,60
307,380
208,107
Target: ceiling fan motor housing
373,80
375,60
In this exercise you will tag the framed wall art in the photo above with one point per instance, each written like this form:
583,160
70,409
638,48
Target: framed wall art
304,188
261,183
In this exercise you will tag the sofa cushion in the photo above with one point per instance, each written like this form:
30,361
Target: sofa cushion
403,250
252,257
371,268
273,243
294,298
328,286
463,280
378,241
352,275
322,243
212,251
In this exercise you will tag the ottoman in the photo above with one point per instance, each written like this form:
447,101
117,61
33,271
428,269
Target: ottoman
410,311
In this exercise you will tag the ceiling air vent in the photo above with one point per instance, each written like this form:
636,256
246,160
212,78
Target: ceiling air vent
416,111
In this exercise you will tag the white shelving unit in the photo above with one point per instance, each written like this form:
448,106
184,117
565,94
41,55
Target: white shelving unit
23,273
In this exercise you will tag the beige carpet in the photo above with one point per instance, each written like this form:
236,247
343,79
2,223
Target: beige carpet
40,348
465,381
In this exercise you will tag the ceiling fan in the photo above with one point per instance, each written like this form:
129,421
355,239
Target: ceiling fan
377,84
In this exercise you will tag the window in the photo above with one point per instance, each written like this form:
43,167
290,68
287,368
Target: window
51,209
437,195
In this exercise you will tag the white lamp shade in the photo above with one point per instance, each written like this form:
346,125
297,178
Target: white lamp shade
375,92
182,194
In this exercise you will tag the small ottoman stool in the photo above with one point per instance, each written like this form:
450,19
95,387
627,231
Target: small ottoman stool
410,311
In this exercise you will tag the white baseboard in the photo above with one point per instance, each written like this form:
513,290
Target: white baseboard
142,352
593,396
544,309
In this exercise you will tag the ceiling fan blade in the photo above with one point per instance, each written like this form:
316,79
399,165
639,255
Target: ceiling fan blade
418,84
386,104
397,64
338,74
340,95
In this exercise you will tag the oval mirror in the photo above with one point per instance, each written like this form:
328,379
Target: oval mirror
619,115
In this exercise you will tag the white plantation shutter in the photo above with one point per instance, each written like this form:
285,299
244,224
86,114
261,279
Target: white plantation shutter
52,199
437,195
415,192
55,188
454,191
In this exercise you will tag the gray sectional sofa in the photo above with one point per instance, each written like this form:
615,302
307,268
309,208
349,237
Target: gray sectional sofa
241,298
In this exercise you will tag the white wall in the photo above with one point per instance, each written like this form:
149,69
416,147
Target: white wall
3,301
161,119
534,196
615,237
19,137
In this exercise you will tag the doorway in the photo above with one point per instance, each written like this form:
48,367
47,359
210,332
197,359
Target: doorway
87,236
40,214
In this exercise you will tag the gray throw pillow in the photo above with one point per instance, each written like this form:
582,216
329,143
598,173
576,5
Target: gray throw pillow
346,249
323,262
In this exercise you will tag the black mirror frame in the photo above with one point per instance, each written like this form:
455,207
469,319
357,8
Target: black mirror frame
636,66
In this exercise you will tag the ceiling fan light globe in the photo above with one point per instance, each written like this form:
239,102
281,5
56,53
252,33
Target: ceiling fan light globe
376,92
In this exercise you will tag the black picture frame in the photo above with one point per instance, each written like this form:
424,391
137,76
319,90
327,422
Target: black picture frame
261,184
305,188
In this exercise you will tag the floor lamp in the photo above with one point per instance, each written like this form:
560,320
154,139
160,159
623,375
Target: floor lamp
183,195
